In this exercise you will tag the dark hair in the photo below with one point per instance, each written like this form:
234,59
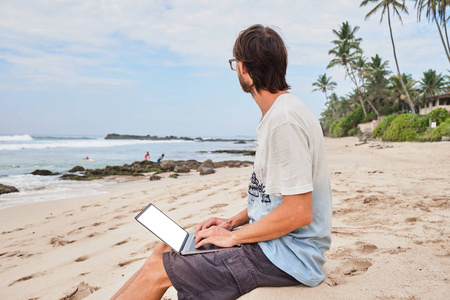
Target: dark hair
264,55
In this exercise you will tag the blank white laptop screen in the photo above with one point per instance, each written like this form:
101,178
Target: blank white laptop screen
163,227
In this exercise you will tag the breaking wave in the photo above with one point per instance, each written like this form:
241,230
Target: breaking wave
15,138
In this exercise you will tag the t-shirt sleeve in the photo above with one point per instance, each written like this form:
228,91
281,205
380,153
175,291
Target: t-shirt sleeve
289,165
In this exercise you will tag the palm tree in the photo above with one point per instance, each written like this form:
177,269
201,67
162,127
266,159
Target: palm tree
396,8
431,84
436,9
324,84
398,92
376,72
346,53
360,65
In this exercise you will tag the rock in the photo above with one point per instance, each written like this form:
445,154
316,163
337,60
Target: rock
181,169
206,171
77,169
78,177
44,173
240,142
6,189
155,177
167,165
232,164
115,136
174,175
207,164
243,152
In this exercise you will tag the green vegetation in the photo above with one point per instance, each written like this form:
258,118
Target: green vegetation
440,131
406,127
377,92
347,125
439,115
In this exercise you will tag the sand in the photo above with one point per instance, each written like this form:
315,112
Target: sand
391,229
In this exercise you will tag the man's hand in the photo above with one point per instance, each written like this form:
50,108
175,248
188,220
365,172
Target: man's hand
216,235
224,223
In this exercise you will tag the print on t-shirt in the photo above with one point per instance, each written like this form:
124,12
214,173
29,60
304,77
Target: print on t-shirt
257,190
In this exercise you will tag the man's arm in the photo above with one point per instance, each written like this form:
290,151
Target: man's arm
293,213
233,222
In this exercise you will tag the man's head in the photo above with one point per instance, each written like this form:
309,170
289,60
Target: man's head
264,56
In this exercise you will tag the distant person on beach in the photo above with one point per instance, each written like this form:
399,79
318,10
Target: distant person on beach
286,228
147,156
160,158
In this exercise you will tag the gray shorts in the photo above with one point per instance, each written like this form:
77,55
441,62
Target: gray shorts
226,274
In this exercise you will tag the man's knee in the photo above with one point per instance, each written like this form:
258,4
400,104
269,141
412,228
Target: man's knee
161,247
154,268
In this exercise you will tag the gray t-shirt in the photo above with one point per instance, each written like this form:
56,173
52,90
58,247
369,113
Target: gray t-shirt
290,159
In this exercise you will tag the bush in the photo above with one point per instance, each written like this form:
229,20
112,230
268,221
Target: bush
370,116
383,126
405,128
343,126
424,123
439,115
354,132
440,131
337,129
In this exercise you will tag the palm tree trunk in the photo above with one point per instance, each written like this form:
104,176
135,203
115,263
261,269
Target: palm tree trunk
331,106
445,29
374,109
360,96
359,91
442,37
411,105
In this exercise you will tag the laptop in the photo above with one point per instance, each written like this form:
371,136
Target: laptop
171,233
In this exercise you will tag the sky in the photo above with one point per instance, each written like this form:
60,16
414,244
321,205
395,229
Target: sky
93,67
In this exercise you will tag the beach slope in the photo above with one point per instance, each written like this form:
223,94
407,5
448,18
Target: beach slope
391,227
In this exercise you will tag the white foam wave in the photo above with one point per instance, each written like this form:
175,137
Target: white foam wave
15,138
100,143
45,188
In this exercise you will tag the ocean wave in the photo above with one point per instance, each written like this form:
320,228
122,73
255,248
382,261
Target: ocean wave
45,188
99,143
15,138
62,138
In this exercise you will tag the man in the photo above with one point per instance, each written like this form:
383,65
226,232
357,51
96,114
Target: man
147,156
286,227
160,158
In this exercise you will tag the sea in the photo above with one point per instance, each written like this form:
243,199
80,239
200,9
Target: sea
22,154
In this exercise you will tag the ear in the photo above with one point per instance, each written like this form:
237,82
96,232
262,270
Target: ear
242,68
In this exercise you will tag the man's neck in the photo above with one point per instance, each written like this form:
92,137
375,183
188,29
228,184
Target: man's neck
266,99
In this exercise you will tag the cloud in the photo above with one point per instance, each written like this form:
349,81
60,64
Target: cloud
77,42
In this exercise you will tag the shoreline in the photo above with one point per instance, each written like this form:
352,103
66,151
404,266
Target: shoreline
95,179
390,235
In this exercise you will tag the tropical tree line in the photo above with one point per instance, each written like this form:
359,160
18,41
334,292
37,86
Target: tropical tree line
377,89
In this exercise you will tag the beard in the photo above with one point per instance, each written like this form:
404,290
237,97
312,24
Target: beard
246,87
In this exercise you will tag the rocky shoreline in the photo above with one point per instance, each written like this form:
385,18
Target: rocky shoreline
138,168
115,136
243,152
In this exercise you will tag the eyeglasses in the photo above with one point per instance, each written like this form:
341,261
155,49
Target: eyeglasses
232,64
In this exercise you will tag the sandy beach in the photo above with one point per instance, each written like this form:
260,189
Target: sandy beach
391,228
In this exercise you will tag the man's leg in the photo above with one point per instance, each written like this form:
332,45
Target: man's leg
150,281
